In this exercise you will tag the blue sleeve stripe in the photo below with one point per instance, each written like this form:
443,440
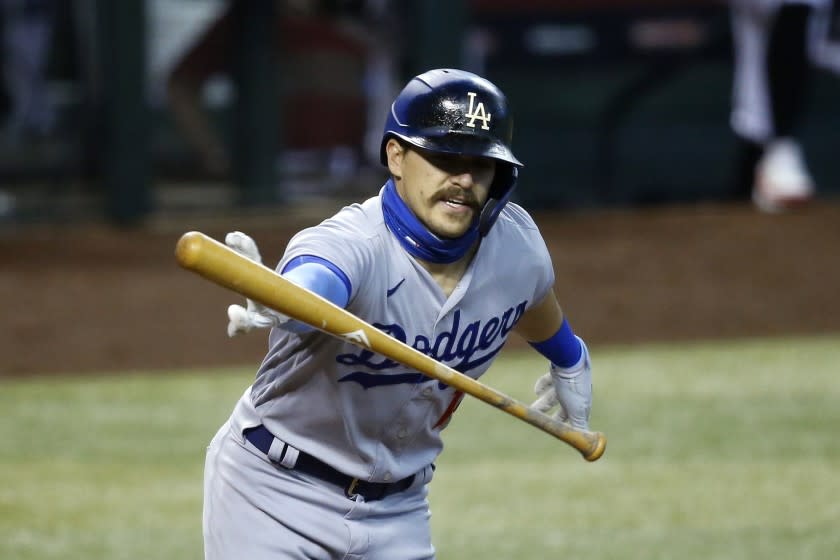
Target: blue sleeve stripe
324,278
563,348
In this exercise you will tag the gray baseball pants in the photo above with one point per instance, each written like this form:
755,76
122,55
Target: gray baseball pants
256,509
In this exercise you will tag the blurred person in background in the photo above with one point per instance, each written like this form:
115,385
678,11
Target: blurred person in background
325,52
775,46
27,33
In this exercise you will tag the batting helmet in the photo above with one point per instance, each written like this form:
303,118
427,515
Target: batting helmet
456,112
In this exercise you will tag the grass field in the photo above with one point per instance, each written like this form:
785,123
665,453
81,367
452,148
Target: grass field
716,451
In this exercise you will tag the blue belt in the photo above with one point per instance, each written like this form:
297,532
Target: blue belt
261,438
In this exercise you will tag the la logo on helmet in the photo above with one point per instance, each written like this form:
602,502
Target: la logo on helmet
477,112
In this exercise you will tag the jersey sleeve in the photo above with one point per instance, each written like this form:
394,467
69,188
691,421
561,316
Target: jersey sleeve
344,240
533,241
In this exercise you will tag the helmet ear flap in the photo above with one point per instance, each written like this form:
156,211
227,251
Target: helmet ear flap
500,192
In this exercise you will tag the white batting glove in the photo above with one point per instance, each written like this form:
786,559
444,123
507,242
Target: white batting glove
244,245
255,315
568,389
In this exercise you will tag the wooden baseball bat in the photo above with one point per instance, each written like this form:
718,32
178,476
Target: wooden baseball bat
224,266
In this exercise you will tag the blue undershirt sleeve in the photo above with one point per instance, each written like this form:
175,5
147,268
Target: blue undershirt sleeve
562,348
320,276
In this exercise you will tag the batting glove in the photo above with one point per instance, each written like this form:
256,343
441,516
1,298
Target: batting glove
255,315
568,389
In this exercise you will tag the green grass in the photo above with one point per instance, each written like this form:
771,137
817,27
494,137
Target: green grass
716,451
108,467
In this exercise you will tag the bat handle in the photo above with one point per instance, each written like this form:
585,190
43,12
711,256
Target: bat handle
597,445
590,444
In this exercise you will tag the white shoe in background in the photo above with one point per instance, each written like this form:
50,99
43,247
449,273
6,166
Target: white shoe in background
782,181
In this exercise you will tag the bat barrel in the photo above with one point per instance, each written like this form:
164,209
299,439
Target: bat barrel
188,249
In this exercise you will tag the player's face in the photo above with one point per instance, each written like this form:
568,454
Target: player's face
445,192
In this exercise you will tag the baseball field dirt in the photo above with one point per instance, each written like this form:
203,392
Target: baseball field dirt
97,299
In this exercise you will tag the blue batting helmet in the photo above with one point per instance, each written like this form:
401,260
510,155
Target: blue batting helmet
456,112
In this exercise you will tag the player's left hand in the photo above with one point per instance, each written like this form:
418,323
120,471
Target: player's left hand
255,315
568,389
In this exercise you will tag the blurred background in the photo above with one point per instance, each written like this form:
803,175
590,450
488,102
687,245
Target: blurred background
120,111
713,324
126,124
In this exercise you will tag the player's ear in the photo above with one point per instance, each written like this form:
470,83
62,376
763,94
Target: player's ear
395,152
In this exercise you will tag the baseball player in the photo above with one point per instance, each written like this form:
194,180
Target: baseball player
775,44
329,452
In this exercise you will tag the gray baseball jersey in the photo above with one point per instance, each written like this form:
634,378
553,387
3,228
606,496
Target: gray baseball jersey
369,416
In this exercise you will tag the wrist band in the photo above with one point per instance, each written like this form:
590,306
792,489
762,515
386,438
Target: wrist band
562,348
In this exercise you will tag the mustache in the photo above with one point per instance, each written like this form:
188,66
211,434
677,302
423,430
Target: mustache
459,194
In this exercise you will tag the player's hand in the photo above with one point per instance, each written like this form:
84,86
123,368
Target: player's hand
569,390
254,315
244,245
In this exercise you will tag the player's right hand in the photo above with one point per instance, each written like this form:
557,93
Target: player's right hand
255,315
244,245
243,320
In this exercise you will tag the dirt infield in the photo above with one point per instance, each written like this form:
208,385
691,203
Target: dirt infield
98,299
